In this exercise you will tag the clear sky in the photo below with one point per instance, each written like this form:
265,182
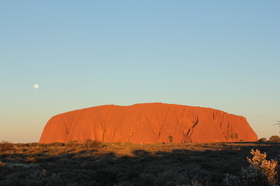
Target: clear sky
219,54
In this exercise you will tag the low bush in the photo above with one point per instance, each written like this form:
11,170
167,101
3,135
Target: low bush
260,172
56,144
274,138
262,140
90,144
6,146
72,143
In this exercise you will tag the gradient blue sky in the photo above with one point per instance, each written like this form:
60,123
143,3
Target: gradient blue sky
219,54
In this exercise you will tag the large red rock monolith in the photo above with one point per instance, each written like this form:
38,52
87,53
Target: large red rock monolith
148,123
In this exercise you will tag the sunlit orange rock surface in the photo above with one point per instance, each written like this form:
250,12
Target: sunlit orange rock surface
148,123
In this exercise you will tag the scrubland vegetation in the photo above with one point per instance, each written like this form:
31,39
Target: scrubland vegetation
125,164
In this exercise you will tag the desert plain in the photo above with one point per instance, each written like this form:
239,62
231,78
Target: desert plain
97,163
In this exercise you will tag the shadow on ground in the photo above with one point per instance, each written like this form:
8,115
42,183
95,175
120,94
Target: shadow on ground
206,166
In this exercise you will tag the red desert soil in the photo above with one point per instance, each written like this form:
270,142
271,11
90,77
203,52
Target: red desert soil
148,123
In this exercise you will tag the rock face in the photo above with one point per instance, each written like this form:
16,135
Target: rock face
148,123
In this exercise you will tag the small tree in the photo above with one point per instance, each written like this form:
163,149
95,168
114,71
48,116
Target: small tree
277,123
236,136
262,140
274,138
170,138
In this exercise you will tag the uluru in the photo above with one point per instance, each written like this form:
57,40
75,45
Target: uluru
148,123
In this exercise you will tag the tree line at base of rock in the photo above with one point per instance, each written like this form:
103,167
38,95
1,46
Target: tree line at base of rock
273,138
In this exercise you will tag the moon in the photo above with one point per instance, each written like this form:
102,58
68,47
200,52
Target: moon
36,86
